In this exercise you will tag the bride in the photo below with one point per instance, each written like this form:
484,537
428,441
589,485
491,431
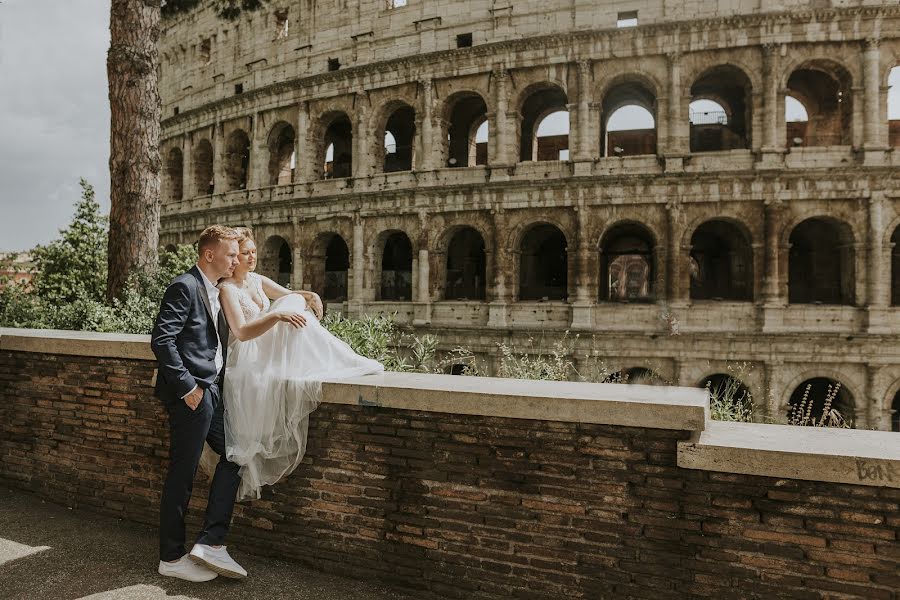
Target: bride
278,354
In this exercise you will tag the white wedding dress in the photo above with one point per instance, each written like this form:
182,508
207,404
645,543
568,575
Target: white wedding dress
273,383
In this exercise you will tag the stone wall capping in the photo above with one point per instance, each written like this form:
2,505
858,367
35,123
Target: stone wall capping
811,453
655,407
76,343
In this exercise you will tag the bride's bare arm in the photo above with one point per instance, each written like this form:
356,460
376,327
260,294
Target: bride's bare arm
244,330
275,291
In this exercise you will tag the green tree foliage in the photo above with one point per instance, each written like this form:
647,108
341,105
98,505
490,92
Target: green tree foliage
73,266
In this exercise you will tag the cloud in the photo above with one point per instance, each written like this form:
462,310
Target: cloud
54,114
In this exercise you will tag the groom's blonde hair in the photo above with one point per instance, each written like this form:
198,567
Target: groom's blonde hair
213,234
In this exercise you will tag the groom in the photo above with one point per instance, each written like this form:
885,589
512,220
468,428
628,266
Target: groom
190,341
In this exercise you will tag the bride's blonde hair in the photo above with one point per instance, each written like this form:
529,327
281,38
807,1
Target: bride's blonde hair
244,234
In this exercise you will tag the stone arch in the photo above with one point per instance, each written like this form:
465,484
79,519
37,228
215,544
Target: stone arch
724,386
334,146
281,144
821,262
537,102
466,264
892,403
721,261
395,255
844,400
628,266
237,160
276,260
175,175
543,263
731,88
204,176
622,92
397,119
327,266
464,112
824,87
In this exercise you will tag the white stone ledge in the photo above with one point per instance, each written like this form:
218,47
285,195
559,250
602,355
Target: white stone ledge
77,343
601,403
811,453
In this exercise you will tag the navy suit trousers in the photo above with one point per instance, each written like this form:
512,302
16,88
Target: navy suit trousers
188,429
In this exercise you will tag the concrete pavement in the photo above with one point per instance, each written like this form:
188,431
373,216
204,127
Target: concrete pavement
48,552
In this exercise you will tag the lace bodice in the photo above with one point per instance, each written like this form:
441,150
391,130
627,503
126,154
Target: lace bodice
252,287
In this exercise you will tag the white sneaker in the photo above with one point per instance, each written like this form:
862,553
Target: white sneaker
186,569
218,560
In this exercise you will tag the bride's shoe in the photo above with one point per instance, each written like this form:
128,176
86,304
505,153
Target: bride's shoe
218,560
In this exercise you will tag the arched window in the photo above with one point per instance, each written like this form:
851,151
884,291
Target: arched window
895,412
543,264
809,401
626,264
399,137
203,168
720,106
721,262
175,174
282,159
548,104
730,394
820,263
628,126
796,118
467,117
396,268
237,160
466,265
823,88
337,151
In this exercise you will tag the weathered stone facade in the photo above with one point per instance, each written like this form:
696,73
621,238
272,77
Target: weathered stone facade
345,134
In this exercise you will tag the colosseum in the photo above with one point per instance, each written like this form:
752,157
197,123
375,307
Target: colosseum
683,187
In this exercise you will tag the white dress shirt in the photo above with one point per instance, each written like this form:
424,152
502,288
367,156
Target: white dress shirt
212,293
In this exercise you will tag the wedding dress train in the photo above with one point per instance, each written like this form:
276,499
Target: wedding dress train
273,383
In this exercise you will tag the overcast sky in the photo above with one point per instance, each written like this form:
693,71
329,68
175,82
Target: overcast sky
54,114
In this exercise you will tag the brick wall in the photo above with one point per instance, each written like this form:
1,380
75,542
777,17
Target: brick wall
466,506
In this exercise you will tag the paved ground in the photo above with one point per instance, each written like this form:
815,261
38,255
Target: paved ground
48,552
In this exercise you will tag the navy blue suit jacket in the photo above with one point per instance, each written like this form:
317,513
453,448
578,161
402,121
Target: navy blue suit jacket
184,338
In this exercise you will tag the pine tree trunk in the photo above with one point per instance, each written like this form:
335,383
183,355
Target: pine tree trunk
134,159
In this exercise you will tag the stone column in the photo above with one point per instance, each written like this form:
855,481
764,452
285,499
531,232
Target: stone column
773,144
297,281
675,256
582,317
878,269
500,129
304,152
678,133
771,315
876,126
259,155
422,308
582,151
770,402
426,142
356,294
188,186
363,150
500,294
220,177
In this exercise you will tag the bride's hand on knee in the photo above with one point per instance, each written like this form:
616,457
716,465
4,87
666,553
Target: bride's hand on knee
289,316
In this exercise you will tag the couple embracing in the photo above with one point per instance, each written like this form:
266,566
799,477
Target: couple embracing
241,373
